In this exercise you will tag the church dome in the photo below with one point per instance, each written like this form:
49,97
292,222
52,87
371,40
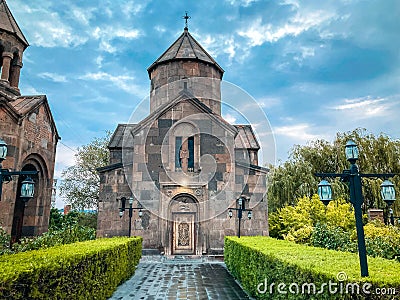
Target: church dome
185,65
185,48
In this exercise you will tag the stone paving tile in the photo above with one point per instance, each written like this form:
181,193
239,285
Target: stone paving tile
180,280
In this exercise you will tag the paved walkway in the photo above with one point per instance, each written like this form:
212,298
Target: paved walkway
180,279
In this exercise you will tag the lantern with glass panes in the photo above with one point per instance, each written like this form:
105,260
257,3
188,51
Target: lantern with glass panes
28,185
241,207
130,210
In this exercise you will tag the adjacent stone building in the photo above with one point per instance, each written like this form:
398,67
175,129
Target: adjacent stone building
184,164
27,126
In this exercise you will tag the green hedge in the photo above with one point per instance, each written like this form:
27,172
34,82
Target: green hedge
83,270
255,261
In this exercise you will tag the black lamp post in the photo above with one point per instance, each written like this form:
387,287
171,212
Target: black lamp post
353,177
28,185
130,209
241,207
392,217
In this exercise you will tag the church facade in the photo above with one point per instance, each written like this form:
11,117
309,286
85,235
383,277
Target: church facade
28,128
184,166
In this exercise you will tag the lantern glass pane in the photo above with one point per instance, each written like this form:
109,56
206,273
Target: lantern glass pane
3,150
325,190
130,200
249,215
387,191
351,150
27,188
240,201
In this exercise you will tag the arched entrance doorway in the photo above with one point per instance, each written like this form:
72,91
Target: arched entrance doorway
18,228
184,224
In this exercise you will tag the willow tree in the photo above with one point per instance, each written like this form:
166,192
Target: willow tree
294,178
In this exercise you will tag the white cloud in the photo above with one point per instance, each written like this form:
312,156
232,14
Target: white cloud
83,16
133,7
108,33
160,29
45,28
244,3
65,157
29,90
258,33
55,34
127,34
294,3
268,102
229,118
99,61
367,106
305,53
299,132
124,82
52,76
218,44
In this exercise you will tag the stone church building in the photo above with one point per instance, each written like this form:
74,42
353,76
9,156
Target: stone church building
183,165
28,128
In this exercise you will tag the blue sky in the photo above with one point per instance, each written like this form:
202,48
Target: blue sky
315,67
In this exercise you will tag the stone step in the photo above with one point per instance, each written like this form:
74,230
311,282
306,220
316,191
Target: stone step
183,259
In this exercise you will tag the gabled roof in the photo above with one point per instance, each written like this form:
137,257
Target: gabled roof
8,23
185,48
20,107
25,104
117,138
246,138
185,95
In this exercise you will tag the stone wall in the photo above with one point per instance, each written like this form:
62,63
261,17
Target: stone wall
31,146
200,79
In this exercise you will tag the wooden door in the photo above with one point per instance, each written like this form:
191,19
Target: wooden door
183,237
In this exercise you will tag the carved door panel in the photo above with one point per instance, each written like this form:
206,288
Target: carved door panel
183,237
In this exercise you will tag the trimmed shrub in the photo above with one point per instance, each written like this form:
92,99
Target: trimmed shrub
68,235
381,241
83,270
265,265
334,238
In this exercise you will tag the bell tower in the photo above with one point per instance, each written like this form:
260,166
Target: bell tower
12,45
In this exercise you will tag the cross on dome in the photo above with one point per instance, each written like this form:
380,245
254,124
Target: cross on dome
186,17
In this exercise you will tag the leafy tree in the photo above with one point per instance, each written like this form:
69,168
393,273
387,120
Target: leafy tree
294,178
80,184
56,219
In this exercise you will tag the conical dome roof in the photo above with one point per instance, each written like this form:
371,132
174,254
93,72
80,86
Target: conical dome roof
185,48
8,23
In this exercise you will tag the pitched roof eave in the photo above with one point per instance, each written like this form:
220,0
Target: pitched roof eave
10,25
191,53
184,96
253,167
